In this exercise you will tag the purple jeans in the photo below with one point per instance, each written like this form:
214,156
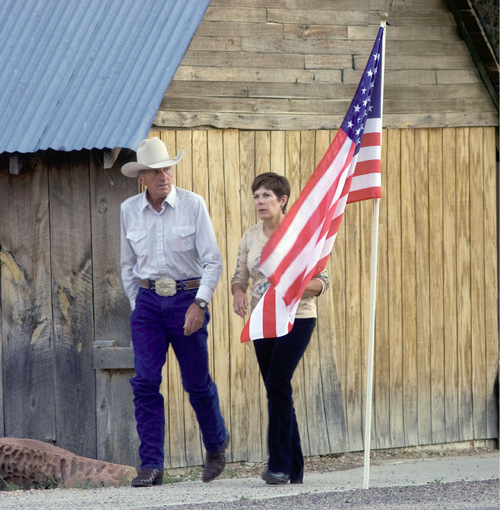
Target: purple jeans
156,323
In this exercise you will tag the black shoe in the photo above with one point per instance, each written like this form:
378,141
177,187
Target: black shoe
296,480
147,478
273,478
215,462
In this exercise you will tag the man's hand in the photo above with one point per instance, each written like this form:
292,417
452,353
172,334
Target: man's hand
194,319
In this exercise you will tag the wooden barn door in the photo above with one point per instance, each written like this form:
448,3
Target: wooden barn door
60,290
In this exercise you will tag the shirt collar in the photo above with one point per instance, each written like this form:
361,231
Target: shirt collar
170,199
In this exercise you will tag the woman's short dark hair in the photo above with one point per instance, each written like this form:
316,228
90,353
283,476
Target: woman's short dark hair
278,184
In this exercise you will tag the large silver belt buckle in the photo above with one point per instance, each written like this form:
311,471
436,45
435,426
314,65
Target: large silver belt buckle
165,287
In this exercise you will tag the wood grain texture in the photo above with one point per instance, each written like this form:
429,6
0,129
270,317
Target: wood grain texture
409,286
117,437
451,285
436,338
491,280
108,189
436,270
248,64
464,296
423,218
477,243
28,365
395,286
72,298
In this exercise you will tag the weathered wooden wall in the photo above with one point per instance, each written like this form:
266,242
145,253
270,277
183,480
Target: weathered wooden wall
65,349
436,332
295,64
60,292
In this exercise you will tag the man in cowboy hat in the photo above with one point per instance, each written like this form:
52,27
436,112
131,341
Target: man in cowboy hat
171,265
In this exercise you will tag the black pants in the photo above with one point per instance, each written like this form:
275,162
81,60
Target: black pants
278,358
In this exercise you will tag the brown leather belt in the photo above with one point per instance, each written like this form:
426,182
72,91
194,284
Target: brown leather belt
168,287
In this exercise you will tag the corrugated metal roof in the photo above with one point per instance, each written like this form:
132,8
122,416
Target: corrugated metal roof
83,74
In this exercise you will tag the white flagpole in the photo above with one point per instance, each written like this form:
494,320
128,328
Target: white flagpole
373,298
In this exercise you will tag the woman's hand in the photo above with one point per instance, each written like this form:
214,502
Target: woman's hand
314,288
240,302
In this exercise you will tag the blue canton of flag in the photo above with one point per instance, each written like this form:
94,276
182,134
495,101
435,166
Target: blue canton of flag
362,106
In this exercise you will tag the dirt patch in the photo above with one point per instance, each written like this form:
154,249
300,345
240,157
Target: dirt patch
338,462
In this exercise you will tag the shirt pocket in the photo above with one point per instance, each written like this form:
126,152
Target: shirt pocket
183,238
137,239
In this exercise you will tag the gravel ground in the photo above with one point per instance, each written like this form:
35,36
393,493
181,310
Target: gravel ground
399,480
447,496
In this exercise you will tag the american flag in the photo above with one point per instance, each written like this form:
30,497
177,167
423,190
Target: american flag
349,172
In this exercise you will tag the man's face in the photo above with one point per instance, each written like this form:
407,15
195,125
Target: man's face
158,181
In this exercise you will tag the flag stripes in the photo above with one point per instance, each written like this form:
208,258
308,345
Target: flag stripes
349,171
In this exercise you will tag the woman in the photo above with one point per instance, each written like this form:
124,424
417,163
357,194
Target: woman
277,357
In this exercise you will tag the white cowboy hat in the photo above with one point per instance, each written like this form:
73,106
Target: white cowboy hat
151,153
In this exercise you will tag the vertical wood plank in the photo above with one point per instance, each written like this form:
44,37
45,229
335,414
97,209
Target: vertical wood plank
116,435
28,369
173,394
450,284
108,189
436,257
71,264
247,175
262,152
4,172
328,331
292,165
353,326
239,404
171,385
199,157
337,272
423,279
117,439
491,279
410,387
196,145
477,247
184,169
306,161
382,355
313,387
221,341
365,228
254,389
394,284
293,174
278,152
464,312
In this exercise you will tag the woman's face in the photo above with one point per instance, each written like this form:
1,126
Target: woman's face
267,204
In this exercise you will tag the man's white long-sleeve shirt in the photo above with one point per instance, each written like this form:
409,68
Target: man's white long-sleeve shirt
178,242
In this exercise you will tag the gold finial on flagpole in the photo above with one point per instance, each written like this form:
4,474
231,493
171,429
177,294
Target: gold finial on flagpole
384,16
